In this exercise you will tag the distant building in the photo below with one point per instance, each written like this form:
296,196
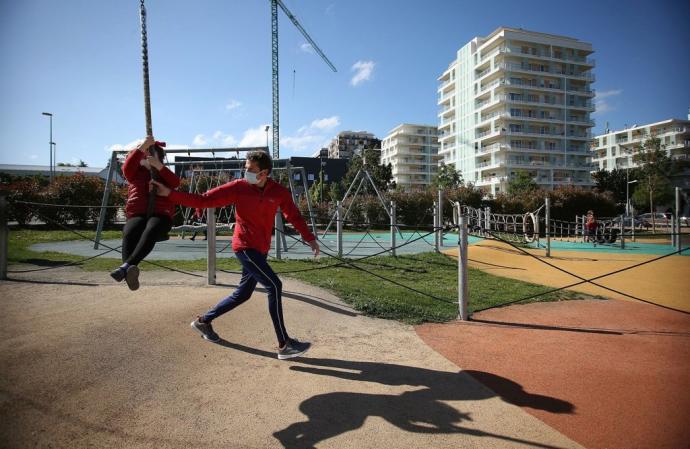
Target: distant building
349,143
412,151
615,149
514,101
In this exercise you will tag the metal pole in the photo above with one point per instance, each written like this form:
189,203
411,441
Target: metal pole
679,242
622,227
393,228
278,244
339,228
548,226
440,218
487,218
309,206
436,247
4,236
673,231
463,291
106,199
211,246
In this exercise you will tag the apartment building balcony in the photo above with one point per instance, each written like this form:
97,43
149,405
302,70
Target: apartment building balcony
492,148
484,104
445,96
521,100
580,136
487,57
446,111
491,180
549,56
583,107
489,117
513,67
584,91
505,83
527,118
569,180
580,121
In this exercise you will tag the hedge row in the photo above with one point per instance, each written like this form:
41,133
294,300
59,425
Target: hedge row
413,208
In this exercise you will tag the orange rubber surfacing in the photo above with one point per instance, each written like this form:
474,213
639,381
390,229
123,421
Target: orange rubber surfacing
624,366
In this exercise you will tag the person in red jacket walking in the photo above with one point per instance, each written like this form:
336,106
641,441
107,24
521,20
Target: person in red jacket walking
141,232
256,198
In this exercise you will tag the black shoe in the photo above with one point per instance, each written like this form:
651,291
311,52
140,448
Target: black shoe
206,330
132,277
118,274
293,348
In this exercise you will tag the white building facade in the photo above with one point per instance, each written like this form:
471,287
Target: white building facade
412,151
516,101
348,143
615,149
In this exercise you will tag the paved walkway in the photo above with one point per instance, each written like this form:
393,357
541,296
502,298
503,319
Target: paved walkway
86,363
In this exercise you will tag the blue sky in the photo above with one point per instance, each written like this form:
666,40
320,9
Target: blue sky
211,68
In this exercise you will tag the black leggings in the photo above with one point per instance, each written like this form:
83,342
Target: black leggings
140,236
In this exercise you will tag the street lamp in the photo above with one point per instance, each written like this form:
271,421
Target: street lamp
267,128
50,143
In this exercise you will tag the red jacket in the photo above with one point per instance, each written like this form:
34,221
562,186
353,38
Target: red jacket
255,211
138,178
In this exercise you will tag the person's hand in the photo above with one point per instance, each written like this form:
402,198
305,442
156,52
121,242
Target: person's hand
148,142
153,160
314,245
161,189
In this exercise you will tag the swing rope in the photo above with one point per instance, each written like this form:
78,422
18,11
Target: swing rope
147,104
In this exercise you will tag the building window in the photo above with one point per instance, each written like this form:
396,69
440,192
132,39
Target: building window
310,177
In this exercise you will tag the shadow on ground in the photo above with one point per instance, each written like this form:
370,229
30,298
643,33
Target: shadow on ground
419,411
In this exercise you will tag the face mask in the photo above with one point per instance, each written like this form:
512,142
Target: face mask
251,177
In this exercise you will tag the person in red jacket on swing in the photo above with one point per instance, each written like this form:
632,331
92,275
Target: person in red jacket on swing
256,198
141,231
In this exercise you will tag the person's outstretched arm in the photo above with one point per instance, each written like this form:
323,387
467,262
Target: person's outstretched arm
220,196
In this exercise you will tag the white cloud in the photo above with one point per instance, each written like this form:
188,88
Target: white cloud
233,104
326,123
307,48
601,102
254,137
364,70
227,140
199,140
330,9
608,93
310,137
33,156
126,147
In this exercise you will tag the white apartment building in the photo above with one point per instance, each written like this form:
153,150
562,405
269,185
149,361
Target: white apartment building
348,143
412,150
615,149
514,101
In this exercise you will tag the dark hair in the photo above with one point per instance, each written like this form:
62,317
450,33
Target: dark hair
262,159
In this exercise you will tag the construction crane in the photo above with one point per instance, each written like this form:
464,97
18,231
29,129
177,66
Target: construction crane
274,47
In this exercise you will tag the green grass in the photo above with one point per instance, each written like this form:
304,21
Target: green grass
435,274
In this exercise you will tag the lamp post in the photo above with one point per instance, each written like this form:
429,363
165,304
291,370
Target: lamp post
50,143
267,128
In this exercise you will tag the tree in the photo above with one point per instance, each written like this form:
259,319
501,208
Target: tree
447,177
335,192
522,183
82,163
614,181
655,168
